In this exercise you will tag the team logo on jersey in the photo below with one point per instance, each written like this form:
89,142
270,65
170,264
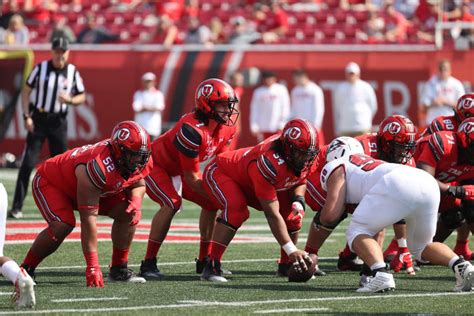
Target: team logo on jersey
207,89
122,134
293,133
393,128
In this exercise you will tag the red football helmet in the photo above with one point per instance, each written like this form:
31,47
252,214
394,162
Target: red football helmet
465,107
216,99
131,147
466,135
397,139
300,144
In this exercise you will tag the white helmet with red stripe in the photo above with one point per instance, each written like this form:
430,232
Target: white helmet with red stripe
131,147
343,147
300,144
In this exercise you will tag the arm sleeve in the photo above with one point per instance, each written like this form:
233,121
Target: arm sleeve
33,77
319,106
427,155
263,188
95,173
188,141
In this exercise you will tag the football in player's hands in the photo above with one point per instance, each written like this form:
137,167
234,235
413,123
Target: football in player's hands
296,275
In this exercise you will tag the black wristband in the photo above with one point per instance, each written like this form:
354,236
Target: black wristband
300,198
456,191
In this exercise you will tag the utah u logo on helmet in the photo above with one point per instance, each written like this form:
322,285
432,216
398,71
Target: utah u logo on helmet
393,128
122,134
293,133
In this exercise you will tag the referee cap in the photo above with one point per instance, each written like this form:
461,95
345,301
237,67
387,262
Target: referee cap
60,43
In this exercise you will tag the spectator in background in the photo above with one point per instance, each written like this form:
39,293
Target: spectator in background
395,24
373,31
354,104
406,7
241,32
307,101
269,108
276,24
217,30
148,104
197,33
93,34
16,33
441,93
237,82
60,29
173,8
166,32
426,17
39,11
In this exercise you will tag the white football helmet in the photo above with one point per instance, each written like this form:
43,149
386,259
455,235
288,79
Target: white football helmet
343,147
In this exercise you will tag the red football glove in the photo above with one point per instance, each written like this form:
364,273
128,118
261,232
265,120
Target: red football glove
134,209
468,192
94,276
297,212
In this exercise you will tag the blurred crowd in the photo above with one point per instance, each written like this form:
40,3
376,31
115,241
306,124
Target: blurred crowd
208,22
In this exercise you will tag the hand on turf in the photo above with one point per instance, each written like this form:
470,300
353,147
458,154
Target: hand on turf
94,276
299,259
134,209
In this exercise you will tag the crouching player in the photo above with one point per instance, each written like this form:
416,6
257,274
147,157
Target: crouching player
352,177
101,179
270,177
24,295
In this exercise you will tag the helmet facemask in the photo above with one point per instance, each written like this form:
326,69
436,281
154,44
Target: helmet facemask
224,112
299,159
399,152
131,162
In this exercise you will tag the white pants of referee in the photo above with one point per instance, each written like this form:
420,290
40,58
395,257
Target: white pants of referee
412,195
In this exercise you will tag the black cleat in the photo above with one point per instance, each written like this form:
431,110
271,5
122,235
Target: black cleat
283,269
149,270
122,273
212,272
200,264
348,263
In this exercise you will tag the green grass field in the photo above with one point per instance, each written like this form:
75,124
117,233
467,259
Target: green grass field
253,288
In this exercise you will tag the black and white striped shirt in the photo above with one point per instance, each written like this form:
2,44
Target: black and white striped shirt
47,82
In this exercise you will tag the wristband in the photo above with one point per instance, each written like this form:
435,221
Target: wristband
87,208
92,259
300,199
289,248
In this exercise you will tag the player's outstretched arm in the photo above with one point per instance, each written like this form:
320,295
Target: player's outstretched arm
136,193
334,207
88,196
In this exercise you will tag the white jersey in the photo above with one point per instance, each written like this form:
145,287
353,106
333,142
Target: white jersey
362,174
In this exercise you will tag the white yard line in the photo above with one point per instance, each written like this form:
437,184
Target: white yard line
288,310
178,263
6,293
89,299
194,304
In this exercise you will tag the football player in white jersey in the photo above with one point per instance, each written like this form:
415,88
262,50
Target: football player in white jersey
385,193
24,295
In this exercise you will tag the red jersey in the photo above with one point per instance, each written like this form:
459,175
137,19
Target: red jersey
442,123
102,171
441,151
188,143
260,170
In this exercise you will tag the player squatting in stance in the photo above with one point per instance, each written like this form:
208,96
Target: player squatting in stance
197,136
454,215
24,295
352,177
395,143
269,177
105,178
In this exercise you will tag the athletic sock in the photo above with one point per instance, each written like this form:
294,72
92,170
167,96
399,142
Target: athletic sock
119,256
10,270
31,260
217,250
346,252
204,249
152,249
455,261
283,257
310,249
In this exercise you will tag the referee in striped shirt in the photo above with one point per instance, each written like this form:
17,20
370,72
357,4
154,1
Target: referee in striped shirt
50,89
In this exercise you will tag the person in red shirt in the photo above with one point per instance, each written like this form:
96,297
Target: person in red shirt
464,109
448,156
395,143
195,138
269,177
105,178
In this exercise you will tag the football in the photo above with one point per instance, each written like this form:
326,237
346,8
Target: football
295,276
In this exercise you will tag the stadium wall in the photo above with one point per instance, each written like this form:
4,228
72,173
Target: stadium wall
112,76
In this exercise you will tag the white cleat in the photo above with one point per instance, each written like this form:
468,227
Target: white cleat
382,282
24,290
464,272
213,278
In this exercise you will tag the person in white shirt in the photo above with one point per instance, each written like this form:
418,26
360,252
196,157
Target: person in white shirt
354,104
441,93
307,101
148,104
269,108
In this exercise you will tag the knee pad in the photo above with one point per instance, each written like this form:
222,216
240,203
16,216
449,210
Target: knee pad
401,222
452,219
225,223
318,225
468,211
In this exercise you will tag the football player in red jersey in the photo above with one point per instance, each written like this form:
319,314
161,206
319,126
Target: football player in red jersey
394,142
448,156
269,177
101,179
195,138
464,109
